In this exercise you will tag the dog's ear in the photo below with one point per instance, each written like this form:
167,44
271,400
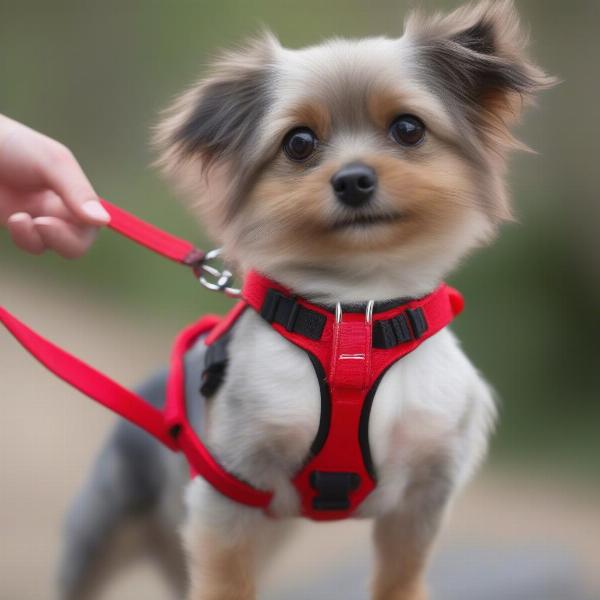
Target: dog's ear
475,59
218,117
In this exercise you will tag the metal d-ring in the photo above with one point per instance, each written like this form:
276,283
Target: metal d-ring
338,312
368,311
221,277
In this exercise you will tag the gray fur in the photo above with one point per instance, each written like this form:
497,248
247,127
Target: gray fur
135,486
223,122
475,60
455,68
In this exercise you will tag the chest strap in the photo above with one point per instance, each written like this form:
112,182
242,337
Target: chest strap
351,349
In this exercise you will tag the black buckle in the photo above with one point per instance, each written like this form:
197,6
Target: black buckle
418,321
287,312
333,489
278,308
269,307
391,332
290,324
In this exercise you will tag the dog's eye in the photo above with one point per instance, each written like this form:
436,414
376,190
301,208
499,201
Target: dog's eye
300,143
407,130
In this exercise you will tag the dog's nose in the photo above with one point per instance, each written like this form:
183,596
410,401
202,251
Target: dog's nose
354,184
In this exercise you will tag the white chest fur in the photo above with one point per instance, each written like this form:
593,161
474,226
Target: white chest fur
431,405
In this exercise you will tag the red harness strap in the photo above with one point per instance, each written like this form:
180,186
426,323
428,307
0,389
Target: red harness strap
339,474
350,352
170,427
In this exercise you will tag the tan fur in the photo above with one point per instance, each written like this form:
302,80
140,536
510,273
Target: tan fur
314,115
400,560
441,198
428,194
219,571
500,111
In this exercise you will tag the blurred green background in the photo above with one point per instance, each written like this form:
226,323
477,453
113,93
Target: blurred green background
96,74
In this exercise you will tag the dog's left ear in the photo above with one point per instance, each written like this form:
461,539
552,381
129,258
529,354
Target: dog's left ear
476,60
218,117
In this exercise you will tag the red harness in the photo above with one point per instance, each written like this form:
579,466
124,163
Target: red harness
350,349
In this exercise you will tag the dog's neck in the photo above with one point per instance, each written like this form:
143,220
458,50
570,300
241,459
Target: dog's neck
328,284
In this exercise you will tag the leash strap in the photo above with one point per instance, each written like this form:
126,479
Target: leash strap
349,354
151,237
88,380
81,375
171,426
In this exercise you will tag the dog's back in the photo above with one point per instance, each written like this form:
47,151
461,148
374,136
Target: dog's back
131,504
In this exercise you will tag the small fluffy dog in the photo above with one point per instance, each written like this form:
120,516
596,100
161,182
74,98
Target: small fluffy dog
349,171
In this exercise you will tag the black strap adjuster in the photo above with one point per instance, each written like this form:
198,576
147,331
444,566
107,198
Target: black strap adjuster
333,489
287,312
215,365
405,327
417,321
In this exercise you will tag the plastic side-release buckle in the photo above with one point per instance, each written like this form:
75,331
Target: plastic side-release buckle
333,489
351,350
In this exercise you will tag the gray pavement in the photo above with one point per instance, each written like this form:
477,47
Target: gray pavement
464,573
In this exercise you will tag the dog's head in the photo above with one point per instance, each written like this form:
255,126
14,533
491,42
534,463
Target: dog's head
356,157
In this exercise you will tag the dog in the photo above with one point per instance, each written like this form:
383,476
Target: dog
349,171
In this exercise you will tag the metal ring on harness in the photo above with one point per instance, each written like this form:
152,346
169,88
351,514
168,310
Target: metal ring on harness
222,277
368,311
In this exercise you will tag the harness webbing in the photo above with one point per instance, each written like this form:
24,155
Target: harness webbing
151,237
82,376
350,361
349,353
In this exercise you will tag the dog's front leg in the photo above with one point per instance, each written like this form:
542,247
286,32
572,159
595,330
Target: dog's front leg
403,538
221,568
400,560
227,544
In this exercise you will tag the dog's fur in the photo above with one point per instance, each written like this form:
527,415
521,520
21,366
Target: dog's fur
467,77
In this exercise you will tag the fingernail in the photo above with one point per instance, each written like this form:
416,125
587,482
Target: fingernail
95,210
21,216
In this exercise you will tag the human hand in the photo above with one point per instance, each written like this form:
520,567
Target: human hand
46,201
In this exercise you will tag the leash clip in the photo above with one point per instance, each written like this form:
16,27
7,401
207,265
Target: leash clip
216,278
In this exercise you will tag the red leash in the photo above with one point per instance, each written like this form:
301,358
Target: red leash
89,381
152,237
171,426
351,359
81,375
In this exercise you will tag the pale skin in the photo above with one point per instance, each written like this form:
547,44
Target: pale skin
46,200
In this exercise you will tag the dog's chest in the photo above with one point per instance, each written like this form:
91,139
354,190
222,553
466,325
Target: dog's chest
268,411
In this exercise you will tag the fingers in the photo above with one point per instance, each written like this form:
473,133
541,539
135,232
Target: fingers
31,162
24,233
67,239
67,179
36,235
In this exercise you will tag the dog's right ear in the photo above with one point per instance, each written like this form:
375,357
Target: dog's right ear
476,58
217,118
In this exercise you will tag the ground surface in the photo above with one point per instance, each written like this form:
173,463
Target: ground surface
510,537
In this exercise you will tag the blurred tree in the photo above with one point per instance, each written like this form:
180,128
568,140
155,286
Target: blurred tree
95,75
